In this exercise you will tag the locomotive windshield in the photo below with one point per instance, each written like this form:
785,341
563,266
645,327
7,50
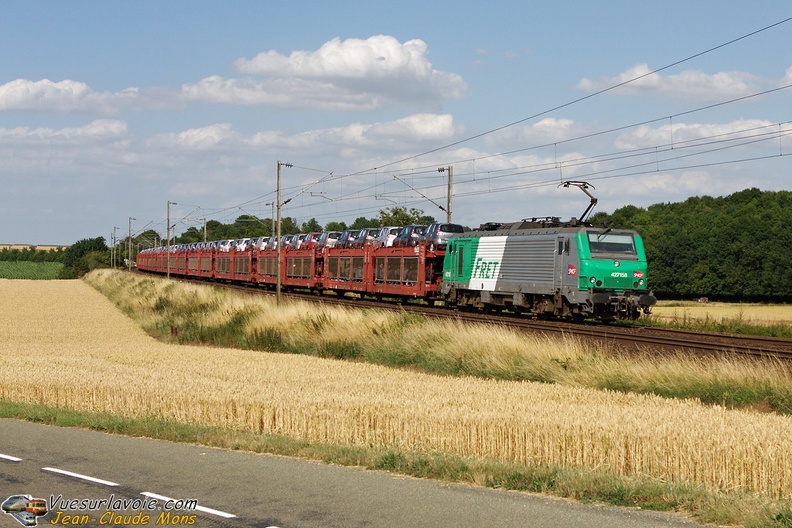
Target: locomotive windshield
611,244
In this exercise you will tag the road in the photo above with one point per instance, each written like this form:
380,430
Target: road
240,489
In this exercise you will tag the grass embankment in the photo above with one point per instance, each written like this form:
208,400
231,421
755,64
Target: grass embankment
214,316
723,465
30,270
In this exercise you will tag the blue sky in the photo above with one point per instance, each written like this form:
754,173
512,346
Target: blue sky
108,110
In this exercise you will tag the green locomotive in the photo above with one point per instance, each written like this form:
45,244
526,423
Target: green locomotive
548,267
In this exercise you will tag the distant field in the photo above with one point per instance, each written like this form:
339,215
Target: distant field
30,270
749,313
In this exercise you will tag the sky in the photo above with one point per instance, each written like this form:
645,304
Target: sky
109,111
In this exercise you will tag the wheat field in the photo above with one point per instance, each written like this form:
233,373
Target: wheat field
749,313
65,345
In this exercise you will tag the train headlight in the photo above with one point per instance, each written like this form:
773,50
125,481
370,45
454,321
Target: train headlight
592,280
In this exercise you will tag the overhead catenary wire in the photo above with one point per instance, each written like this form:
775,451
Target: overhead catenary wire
299,190
760,133
655,150
584,98
431,169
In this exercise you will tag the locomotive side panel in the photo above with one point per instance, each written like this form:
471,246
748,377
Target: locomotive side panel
529,265
512,263
481,263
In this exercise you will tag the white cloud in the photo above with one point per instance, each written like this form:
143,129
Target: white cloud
63,97
69,96
377,56
547,131
662,186
414,128
353,74
679,134
391,136
286,93
98,131
689,84
204,138
60,161
787,79
348,74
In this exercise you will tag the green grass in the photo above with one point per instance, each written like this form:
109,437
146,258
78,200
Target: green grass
30,270
585,486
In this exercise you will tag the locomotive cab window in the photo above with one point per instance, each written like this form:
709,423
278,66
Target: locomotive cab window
606,245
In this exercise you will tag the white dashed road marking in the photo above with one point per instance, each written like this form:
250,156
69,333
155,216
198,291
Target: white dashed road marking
199,508
108,483
77,475
10,458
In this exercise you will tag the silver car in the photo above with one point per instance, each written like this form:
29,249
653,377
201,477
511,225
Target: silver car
328,239
385,236
437,233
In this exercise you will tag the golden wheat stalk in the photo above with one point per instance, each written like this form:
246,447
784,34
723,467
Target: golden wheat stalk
67,346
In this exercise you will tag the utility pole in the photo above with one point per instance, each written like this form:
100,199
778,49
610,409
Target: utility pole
167,227
129,245
450,170
278,236
114,255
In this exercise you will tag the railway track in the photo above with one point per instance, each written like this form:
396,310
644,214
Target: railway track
625,337
635,337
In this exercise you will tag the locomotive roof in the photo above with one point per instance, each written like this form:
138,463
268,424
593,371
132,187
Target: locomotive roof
534,226
551,222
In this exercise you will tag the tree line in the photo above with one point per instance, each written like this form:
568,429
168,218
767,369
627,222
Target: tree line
77,259
734,248
31,254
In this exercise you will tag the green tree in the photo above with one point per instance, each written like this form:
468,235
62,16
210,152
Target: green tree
246,226
193,234
399,216
149,238
85,255
289,226
31,254
335,226
732,248
311,226
362,222
213,228
425,219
